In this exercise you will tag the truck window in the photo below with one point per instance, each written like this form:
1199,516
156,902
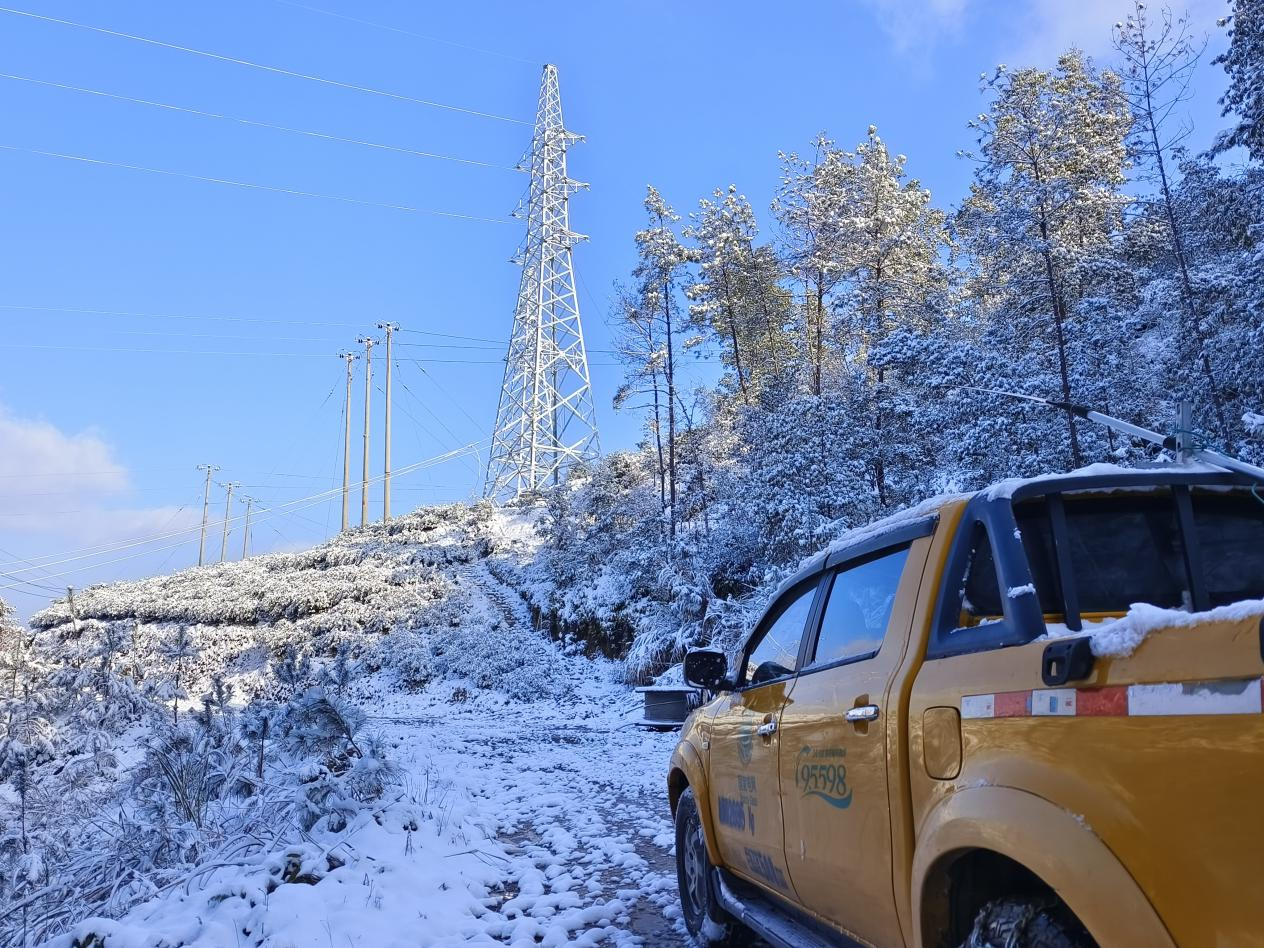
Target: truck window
776,644
1231,533
1123,550
858,609
982,600
1131,549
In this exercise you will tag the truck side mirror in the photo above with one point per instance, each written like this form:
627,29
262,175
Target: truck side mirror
706,668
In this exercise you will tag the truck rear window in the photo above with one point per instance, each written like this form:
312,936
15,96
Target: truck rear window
1125,549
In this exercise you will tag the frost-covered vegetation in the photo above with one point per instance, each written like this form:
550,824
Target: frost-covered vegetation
154,729
208,717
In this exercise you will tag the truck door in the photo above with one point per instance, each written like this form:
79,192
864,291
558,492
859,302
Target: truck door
744,781
835,739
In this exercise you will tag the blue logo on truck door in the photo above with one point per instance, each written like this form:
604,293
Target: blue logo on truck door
822,774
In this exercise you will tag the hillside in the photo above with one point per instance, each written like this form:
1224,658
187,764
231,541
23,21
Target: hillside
413,598
195,746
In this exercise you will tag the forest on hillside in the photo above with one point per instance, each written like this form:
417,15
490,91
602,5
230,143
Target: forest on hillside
1095,260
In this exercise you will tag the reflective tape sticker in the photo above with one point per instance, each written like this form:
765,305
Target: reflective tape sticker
1235,696
978,706
1111,701
1053,701
1013,704
1196,697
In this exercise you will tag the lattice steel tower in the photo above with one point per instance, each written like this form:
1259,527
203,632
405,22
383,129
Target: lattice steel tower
546,420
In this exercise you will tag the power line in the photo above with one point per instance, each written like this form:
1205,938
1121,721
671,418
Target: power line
217,352
277,70
159,334
211,316
244,121
448,335
250,186
400,30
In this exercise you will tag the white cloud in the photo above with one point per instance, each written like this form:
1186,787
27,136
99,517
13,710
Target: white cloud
1036,31
1045,28
916,24
63,491
35,452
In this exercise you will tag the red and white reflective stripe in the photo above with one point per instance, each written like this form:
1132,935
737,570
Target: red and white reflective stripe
1234,696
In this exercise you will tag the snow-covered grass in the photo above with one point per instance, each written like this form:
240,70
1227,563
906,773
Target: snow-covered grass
507,825
210,727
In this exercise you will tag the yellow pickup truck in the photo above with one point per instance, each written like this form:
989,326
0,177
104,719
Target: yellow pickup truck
1028,717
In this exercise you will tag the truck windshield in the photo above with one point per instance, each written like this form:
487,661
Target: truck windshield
1130,548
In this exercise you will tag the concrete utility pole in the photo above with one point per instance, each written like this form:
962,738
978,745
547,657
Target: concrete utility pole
386,482
245,539
368,390
70,601
206,506
228,509
349,357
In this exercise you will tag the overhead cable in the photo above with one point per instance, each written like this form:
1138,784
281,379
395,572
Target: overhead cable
257,124
251,186
277,70
396,29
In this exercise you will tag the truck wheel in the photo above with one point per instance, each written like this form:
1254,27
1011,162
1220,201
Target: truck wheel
1027,923
705,919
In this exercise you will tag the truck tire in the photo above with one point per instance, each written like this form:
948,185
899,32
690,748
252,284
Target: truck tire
706,920
1027,923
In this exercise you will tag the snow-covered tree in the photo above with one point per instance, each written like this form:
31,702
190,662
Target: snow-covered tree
1244,62
1044,211
736,296
177,650
891,253
808,204
1158,59
649,336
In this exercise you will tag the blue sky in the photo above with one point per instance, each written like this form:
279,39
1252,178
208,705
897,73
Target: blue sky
103,417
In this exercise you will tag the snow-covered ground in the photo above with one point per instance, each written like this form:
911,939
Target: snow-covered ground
471,783
518,824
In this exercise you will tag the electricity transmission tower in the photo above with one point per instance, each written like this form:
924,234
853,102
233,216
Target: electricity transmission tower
546,421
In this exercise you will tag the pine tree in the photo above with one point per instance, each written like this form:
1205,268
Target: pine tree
890,248
177,650
1244,62
1158,60
1046,205
736,295
650,338
808,205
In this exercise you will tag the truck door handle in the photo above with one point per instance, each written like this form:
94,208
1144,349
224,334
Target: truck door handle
768,729
866,712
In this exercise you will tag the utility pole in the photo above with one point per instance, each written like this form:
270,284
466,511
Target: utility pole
349,357
206,506
74,615
368,342
386,481
245,539
228,509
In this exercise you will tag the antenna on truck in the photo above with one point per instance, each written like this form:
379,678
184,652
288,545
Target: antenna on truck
1180,442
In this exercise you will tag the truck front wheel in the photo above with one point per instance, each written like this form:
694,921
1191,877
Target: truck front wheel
705,919
1027,923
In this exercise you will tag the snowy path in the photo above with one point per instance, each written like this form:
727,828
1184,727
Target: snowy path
578,819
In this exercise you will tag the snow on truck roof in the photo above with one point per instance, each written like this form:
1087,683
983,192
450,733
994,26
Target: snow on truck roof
1107,476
